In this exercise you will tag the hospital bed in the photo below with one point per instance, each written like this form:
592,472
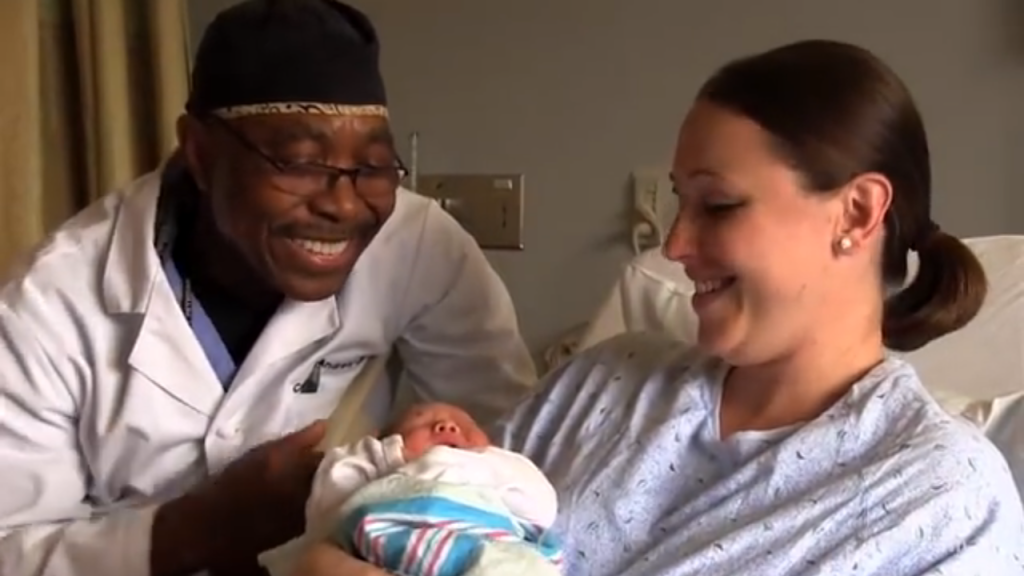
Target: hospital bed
976,372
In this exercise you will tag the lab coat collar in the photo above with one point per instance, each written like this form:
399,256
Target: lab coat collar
165,350
132,266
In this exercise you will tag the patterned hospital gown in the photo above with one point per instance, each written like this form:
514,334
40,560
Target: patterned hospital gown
884,483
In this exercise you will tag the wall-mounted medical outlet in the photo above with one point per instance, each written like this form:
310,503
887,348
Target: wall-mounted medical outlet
652,196
653,207
488,206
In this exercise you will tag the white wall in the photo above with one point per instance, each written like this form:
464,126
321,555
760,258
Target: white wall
577,93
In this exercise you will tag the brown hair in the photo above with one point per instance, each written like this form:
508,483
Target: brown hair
837,111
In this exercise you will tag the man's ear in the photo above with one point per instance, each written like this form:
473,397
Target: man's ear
865,202
193,142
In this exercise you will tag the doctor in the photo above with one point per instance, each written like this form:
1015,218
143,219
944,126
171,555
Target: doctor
165,354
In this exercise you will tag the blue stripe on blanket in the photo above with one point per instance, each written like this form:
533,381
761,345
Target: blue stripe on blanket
432,535
432,509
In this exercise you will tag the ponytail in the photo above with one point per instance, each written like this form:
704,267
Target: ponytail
946,294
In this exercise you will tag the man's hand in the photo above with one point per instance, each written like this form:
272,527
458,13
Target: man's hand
257,502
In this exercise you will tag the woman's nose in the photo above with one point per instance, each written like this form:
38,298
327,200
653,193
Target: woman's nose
446,427
680,245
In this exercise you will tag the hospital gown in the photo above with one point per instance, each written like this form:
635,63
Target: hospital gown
883,483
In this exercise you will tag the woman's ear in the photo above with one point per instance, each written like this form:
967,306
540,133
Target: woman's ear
866,200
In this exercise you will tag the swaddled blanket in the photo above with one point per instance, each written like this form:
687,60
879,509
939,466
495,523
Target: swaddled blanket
417,527
480,512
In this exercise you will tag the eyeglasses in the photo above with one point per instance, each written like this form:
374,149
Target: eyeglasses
310,179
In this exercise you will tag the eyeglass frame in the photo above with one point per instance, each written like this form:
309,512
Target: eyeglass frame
333,174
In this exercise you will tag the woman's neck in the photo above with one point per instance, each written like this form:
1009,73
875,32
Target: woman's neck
798,387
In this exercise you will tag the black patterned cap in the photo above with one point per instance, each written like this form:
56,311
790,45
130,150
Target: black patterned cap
288,56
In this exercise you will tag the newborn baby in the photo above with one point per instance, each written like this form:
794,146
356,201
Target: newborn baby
432,497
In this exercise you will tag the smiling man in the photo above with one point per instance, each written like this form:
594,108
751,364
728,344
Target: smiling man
165,354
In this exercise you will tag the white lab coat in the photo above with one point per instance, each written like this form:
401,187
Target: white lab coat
108,405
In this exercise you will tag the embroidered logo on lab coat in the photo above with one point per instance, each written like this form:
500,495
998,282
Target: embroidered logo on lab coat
311,385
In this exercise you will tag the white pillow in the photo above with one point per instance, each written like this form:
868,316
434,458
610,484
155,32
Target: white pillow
1002,420
963,406
985,359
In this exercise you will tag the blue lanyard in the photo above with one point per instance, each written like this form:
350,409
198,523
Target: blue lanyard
202,327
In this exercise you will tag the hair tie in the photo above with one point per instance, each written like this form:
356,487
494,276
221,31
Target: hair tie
928,232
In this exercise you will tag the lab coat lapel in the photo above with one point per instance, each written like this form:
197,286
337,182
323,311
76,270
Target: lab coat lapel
296,325
167,352
134,285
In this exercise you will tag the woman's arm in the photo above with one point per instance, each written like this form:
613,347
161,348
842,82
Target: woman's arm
955,512
327,560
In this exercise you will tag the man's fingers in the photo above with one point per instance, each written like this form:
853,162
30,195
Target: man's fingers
309,436
296,449
310,461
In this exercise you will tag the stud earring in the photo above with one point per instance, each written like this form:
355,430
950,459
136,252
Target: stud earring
845,243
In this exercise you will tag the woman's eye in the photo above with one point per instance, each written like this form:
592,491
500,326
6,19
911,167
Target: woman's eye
720,209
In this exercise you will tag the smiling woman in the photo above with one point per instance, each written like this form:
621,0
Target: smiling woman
786,442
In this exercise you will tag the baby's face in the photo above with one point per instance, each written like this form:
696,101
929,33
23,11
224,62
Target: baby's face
427,425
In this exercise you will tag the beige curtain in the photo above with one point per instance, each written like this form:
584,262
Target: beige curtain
91,93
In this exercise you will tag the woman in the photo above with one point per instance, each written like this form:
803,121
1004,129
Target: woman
788,443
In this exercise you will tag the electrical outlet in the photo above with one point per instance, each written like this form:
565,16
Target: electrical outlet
488,206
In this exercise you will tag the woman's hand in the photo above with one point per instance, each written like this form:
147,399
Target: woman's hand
328,560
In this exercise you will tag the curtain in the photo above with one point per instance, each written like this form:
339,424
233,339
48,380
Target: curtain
92,93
